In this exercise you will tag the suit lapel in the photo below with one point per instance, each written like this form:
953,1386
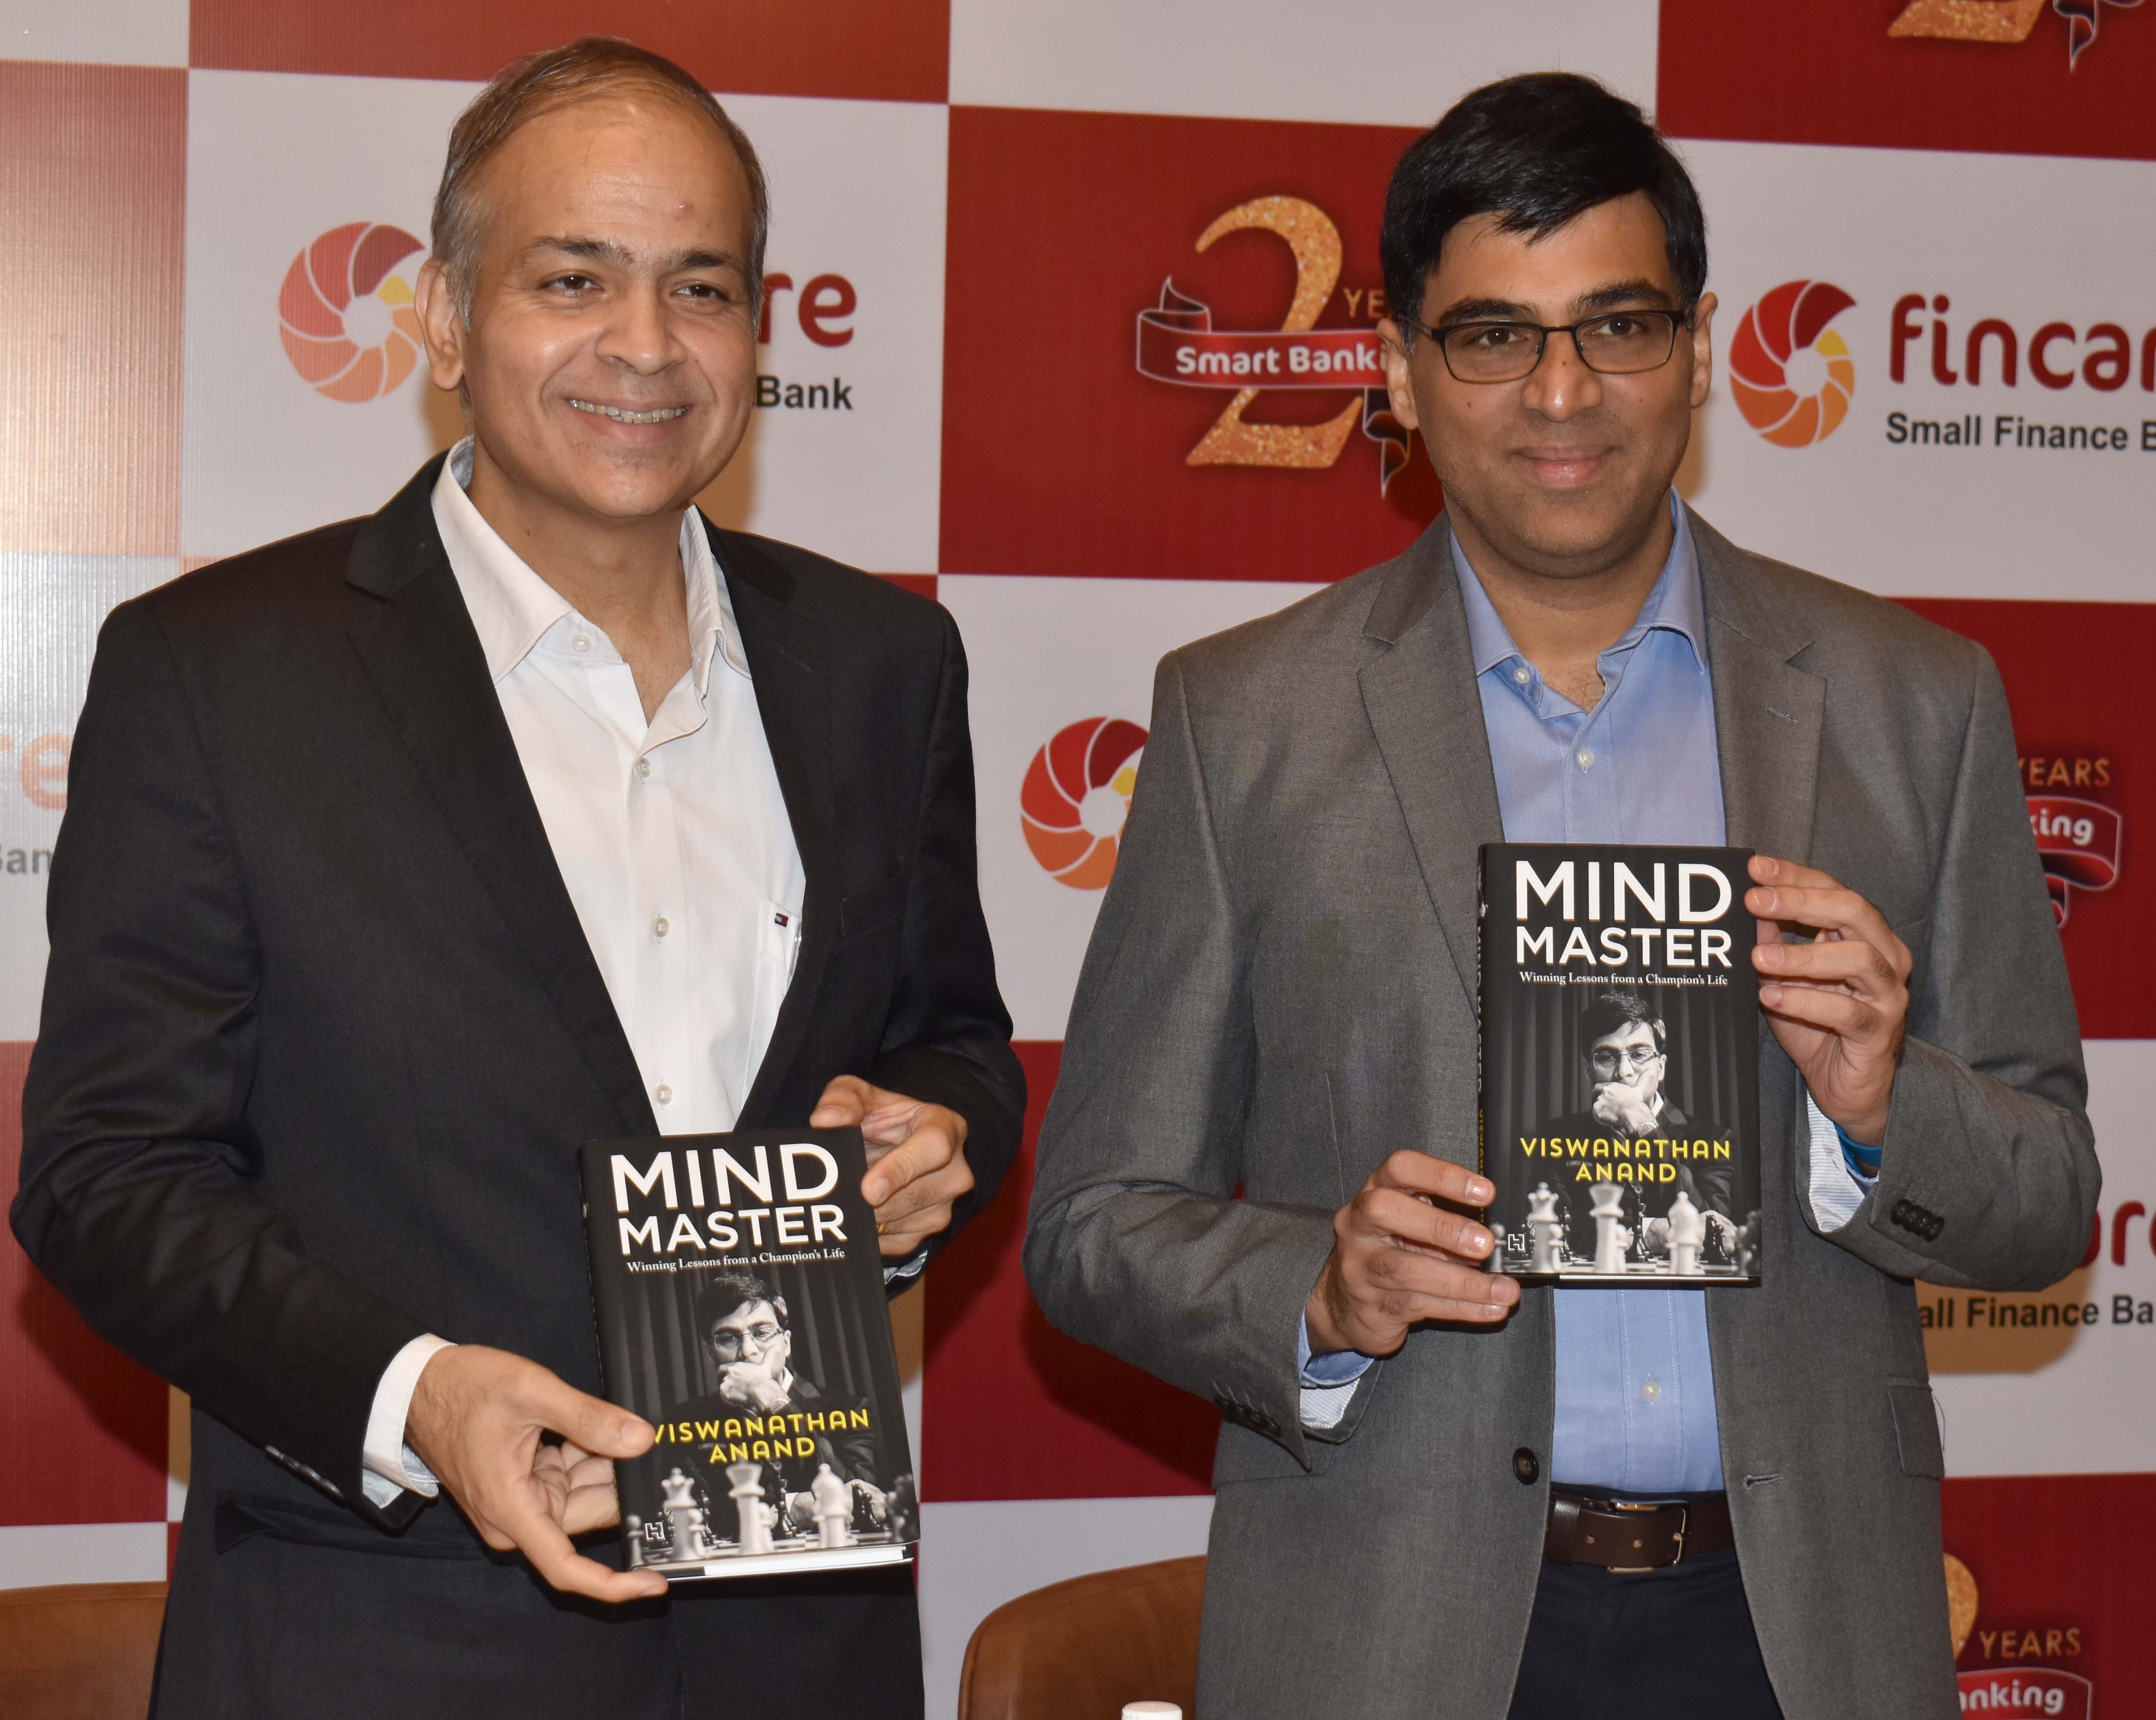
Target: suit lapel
427,665
1425,708
1767,713
789,666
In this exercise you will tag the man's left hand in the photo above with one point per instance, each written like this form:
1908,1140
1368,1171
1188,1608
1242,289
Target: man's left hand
1840,1004
918,1167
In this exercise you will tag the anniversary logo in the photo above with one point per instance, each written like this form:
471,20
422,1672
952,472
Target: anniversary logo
2078,838
1177,343
2003,22
2019,1690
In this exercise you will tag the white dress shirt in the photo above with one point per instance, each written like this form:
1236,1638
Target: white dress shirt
671,834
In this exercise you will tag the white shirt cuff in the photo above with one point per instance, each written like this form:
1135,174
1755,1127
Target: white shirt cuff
1837,1191
392,1466
1328,1382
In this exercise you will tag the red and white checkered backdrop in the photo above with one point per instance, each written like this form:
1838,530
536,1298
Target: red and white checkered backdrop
1933,228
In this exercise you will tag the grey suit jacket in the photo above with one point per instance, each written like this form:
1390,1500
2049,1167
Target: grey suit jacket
1280,991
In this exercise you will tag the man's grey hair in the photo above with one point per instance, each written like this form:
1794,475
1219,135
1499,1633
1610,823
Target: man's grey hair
543,83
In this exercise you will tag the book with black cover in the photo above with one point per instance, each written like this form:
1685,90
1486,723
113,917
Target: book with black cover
739,1294
1620,1017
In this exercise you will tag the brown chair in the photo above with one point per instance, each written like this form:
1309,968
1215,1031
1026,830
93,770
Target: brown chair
1080,1649
84,1651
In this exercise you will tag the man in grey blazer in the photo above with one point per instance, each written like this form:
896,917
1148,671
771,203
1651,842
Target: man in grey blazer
1439,1494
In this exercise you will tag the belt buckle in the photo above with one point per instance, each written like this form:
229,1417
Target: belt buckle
1684,1522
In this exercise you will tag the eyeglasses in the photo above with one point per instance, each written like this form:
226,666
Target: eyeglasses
727,1341
1618,343
1606,1057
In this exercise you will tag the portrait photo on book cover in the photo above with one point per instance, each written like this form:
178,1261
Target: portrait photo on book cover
1628,1159
781,1438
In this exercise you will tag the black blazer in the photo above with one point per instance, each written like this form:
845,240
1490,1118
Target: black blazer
321,1032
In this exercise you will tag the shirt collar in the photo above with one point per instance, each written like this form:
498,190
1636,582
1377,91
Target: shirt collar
1675,603
513,609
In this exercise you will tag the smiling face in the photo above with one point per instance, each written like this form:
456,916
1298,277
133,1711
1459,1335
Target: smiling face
1561,471
609,361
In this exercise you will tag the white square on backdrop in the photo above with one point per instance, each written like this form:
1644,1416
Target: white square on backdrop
1046,655
1362,62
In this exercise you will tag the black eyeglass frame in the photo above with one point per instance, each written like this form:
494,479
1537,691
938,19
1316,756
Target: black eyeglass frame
1542,332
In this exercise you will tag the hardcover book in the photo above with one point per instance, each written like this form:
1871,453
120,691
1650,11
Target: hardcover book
1620,1020
739,1294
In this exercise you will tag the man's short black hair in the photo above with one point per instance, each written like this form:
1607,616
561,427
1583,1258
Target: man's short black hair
725,1292
1616,1010
1540,150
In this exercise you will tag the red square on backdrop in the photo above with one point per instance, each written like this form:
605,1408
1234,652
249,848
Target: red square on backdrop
82,1428
1973,74
1061,454
1011,1409
889,50
2075,677
93,199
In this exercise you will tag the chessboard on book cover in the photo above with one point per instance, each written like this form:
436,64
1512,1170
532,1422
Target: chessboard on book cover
738,1291
1619,1074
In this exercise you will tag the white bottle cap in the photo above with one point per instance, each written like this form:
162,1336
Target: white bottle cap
1151,1711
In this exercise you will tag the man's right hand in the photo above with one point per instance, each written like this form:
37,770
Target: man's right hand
1397,1258
476,1420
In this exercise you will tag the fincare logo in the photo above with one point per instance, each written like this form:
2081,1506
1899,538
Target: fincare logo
1177,343
1790,369
2019,1691
345,311
1076,793
2078,839
1792,374
2003,24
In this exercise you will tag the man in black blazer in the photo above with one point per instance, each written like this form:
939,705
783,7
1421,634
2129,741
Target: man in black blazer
348,958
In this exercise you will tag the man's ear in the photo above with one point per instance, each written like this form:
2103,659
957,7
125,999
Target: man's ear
441,325
1398,382
1702,347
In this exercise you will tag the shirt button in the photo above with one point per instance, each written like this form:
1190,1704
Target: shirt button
663,1093
644,767
1520,674
1651,1390
1586,758
659,927
1527,1466
580,644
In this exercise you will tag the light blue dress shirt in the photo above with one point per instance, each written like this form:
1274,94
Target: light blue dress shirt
1634,1378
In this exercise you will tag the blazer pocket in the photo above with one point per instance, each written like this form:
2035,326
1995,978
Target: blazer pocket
1916,1429
865,909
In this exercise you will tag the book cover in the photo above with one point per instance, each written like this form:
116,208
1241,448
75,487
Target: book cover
1620,1020
739,1296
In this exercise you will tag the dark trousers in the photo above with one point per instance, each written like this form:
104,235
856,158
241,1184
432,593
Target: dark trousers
274,1625
1605,1646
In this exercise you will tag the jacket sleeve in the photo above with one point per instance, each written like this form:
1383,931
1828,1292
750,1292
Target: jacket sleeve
140,1188
1987,1175
947,1036
1136,1243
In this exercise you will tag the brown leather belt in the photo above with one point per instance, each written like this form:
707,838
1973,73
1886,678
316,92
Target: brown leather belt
1620,1535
